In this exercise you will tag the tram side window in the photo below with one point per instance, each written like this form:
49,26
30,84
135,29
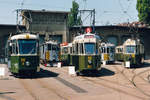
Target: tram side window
121,50
112,50
43,49
49,46
65,50
13,48
108,50
103,50
76,47
80,48
10,50
116,50
73,49
82,51
70,50
97,50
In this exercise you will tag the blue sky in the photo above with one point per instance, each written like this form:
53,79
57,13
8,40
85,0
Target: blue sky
108,12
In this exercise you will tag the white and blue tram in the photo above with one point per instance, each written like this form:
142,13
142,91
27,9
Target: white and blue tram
65,51
107,53
49,53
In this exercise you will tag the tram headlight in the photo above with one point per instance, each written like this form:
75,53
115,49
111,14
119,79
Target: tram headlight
27,63
89,62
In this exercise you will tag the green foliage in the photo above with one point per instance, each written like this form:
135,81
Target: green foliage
143,7
73,18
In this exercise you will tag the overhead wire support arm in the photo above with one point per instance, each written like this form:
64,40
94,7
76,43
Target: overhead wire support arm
92,13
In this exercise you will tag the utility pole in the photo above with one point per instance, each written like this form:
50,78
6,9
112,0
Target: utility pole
17,28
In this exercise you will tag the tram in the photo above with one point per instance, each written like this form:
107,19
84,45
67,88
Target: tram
49,53
23,53
119,53
65,51
133,52
85,54
107,52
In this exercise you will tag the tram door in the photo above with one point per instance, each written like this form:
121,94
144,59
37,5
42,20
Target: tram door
111,53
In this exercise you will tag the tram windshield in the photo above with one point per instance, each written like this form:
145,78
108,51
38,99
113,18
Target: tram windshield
27,46
112,49
89,48
130,49
53,47
65,50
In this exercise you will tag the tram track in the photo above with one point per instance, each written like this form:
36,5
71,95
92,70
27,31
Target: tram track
132,81
112,87
28,89
109,85
98,82
44,86
135,84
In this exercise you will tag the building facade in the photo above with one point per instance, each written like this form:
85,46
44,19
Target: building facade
46,23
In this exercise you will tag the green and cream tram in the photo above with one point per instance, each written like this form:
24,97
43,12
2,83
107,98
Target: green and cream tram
65,51
107,53
119,53
85,55
23,53
133,52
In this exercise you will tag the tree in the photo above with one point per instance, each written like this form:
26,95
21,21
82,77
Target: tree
73,18
143,8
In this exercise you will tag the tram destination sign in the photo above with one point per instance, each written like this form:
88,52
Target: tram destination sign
89,36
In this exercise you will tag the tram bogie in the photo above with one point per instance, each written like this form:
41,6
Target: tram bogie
49,53
23,53
85,53
107,52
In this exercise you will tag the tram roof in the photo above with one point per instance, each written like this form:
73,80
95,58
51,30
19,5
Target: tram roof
119,46
87,35
24,36
130,42
51,42
107,44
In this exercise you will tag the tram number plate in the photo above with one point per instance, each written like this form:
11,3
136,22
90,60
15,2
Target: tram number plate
89,66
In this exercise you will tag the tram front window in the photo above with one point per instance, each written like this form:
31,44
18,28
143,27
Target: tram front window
112,50
89,48
130,49
49,46
27,46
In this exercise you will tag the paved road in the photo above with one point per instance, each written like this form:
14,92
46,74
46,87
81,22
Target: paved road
51,83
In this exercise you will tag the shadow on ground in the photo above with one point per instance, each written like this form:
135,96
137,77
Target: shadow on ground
144,65
42,74
100,73
6,93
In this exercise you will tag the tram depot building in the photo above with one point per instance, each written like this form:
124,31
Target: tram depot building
54,25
